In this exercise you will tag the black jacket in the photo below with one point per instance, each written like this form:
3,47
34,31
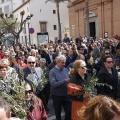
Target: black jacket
105,77
26,72
77,79
48,60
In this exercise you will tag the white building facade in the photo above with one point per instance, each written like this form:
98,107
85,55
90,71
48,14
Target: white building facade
44,20
8,6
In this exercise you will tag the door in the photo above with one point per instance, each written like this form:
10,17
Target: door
92,29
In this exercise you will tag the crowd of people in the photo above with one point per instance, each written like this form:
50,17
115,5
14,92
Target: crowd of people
66,65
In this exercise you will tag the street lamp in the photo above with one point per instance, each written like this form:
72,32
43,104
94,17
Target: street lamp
28,22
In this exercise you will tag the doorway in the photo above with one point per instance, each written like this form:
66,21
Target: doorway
92,29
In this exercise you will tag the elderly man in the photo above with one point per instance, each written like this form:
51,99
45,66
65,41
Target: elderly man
96,50
58,79
45,92
32,70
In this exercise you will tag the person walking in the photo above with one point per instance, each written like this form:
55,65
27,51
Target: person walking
108,75
75,88
59,78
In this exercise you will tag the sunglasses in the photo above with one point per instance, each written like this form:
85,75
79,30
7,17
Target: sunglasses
31,62
81,48
28,91
107,53
84,67
109,62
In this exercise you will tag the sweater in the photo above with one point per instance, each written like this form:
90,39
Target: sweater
57,79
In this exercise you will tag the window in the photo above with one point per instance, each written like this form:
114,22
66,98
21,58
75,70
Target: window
55,27
22,39
6,9
54,11
2,1
24,29
0,10
27,9
43,27
23,1
26,40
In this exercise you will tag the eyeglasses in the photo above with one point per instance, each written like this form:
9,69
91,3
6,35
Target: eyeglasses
109,62
28,91
31,62
81,48
107,53
3,70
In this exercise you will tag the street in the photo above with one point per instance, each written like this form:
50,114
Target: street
51,114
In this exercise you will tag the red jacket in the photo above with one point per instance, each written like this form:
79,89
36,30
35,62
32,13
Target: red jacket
1,55
38,112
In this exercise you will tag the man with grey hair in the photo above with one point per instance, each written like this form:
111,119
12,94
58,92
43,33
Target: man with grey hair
10,69
42,62
59,78
96,50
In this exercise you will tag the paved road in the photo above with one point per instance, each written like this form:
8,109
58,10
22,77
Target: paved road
51,114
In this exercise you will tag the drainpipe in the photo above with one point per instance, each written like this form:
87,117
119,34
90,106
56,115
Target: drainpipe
112,28
102,19
78,24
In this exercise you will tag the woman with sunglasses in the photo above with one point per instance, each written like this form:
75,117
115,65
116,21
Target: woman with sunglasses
35,108
108,75
75,88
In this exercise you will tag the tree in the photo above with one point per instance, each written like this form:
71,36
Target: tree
57,2
11,24
87,19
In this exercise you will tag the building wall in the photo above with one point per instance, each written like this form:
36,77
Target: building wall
106,17
3,5
16,3
44,12
13,4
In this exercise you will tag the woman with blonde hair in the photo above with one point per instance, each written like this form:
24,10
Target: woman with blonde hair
75,88
100,108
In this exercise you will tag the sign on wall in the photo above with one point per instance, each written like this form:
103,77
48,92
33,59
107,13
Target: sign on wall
43,38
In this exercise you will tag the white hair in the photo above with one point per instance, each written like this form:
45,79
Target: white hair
5,61
30,57
60,58
43,60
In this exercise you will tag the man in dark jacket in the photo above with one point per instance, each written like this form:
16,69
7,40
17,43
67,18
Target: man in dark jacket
109,77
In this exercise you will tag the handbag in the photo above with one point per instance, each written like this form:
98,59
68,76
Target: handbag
73,89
